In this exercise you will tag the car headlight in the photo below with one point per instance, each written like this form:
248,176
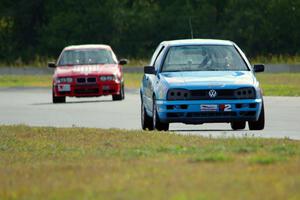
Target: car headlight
64,80
108,78
178,94
245,93
102,78
259,92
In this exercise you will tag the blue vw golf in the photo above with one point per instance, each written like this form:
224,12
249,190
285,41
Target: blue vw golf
201,81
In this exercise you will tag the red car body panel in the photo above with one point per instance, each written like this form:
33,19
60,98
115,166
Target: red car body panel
86,79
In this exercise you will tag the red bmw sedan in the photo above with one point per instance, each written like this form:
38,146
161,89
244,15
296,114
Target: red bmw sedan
87,71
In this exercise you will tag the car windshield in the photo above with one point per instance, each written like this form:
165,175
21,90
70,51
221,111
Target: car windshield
86,57
204,58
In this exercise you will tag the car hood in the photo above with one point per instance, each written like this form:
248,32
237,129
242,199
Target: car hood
208,78
78,70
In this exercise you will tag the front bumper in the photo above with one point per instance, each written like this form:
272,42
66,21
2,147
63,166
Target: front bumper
87,90
190,112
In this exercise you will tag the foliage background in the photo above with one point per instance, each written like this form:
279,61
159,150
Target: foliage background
41,28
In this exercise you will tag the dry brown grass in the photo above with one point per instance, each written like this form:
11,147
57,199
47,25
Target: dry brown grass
77,163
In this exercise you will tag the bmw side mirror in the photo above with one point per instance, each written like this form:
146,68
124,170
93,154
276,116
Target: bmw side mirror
51,65
149,70
259,68
123,61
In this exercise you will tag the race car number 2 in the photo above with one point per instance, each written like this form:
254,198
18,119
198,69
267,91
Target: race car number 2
225,107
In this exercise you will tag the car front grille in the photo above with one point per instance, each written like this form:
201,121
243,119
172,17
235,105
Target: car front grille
201,114
204,94
221,94
212,114
82,91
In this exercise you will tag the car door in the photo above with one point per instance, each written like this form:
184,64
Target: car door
149,80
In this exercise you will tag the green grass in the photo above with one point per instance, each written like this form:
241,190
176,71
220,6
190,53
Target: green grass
79,163
265,159
133,80
25,80
281,84
219,157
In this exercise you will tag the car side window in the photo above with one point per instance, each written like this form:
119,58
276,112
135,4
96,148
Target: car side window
155,55
158,60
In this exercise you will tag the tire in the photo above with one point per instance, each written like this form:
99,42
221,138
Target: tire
57,99
157,124
260,123
146,121
121,96
238,125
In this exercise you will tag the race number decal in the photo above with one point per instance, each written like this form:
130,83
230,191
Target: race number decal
225,107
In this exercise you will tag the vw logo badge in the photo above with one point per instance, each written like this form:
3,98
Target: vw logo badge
212,93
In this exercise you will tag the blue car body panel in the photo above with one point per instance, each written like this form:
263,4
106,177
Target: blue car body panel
156,86
241,110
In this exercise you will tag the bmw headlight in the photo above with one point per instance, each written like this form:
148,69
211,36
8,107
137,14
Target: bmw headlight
108,78
64,80
103,78
178,94
245,93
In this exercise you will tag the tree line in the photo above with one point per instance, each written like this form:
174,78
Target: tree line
30,28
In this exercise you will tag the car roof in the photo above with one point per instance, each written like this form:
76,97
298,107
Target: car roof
88,46
196,42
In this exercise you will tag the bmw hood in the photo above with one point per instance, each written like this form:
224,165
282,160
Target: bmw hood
106,69
208,79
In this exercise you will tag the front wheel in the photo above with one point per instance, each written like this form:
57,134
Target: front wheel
121,96
146,121
157,124
260,123
238,125
57,99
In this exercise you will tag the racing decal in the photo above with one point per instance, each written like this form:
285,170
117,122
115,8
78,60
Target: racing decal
64,88
86,68
209,108
225,107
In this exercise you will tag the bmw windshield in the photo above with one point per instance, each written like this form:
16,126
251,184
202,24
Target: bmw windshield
86,57
203,58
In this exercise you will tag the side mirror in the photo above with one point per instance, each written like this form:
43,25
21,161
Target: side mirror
51,65
259,68
149,70
123,61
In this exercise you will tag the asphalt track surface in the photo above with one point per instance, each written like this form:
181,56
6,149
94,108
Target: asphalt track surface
33,106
